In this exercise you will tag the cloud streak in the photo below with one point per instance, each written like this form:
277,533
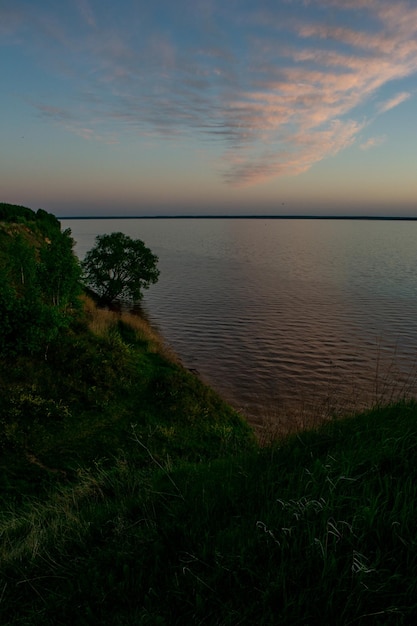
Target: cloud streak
322,89
373,142
394,102
278,91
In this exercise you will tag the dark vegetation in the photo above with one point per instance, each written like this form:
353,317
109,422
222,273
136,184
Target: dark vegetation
39,280
131,494
119,268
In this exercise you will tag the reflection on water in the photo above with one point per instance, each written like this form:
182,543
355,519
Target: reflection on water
285,318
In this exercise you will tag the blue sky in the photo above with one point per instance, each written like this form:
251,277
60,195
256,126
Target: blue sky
209,106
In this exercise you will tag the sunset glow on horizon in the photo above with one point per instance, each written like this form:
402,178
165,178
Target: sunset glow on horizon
207,107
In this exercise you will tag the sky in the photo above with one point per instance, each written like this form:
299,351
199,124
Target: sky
193,107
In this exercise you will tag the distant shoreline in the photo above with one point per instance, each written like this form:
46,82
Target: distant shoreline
239,217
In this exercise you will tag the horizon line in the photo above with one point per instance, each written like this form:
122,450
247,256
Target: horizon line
252,217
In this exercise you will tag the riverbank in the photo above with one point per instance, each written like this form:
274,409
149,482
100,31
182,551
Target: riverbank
107,375
131,494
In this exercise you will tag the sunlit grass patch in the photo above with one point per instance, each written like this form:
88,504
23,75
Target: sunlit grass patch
103,322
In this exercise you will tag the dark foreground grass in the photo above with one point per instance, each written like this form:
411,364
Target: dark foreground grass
321,530
184,521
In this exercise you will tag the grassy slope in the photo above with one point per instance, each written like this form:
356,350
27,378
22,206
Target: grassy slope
180,520
131,494
319,531
106,384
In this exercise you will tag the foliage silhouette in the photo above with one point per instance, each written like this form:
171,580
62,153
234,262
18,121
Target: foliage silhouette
119,268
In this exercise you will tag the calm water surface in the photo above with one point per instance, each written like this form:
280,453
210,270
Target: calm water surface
285,318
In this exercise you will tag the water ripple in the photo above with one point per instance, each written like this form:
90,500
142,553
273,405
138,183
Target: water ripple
285,317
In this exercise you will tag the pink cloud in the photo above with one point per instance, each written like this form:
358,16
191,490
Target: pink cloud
394,102
325,86
277,107
307,149
373,142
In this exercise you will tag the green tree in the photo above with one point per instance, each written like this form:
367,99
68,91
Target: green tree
27,323
59,271
39,287
119,268
22,265
47,222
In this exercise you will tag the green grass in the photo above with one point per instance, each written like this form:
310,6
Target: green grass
131,494
97,392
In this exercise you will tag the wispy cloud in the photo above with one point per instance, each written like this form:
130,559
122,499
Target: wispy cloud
86,12
72,122
304,149
394,102
373,142
322,87
57,114
280,87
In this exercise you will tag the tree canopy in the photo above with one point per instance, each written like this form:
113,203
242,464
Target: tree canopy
119,268
39,279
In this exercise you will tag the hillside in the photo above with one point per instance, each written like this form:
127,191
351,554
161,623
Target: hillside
77,391
132,494
20,220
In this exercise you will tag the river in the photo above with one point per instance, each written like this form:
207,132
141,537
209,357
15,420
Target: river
290,320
